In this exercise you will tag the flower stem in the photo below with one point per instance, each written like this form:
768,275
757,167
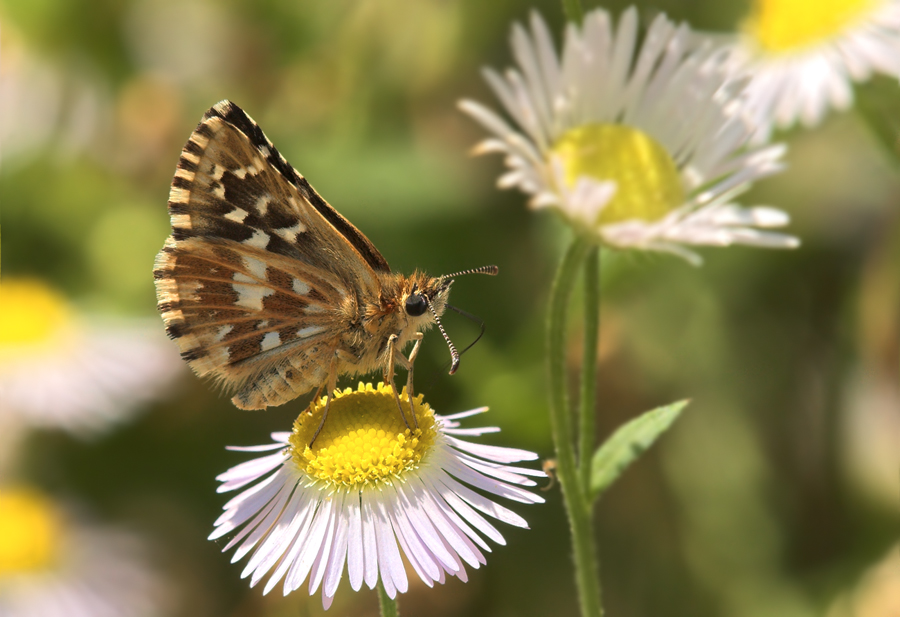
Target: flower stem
588,400
387,605
573,11
586,567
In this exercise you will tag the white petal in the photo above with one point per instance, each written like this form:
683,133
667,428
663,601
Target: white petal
413,549
355,560
279,536
449,532
389,563
493,453
370,546
327,553
311,546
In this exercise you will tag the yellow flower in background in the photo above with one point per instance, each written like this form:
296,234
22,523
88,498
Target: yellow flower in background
59,369
802,56
639,147
369,493
30,533
54,566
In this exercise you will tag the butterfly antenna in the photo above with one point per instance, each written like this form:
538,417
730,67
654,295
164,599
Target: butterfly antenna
489,270
454,355
472,317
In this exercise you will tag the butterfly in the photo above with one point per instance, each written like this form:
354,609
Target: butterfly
270,291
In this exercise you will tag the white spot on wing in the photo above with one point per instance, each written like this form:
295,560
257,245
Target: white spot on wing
265,150
270,340
181,220
290,233
250,292
260,239
217,171
200,140
262,204
256,267
219,191
187,290
240,172
300,287
237,215
222,333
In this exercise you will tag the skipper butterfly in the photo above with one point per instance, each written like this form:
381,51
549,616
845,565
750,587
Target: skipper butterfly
267,288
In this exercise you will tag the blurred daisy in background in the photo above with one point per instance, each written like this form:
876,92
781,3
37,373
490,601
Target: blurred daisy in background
369,494
60,107
803,56
61,370
641,149
53,566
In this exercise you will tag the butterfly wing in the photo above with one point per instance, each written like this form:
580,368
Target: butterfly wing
259,271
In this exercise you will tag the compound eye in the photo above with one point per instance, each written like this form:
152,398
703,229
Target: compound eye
415,305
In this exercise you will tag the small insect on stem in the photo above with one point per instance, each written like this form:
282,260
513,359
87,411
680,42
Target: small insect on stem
549,467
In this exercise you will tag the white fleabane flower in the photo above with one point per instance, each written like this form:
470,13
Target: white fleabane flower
54,566
643,150
369,492
59,369
802,56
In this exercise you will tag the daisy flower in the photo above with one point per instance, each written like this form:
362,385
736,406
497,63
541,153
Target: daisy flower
62,371
369,493
803,56
640,149
52,566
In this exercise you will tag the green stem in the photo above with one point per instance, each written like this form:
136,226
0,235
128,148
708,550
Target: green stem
586,567
588,401
876,103
573,11
386,604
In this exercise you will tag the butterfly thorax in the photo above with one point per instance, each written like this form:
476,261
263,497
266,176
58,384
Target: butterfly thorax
376,316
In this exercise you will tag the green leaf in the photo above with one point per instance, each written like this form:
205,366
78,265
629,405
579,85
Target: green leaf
628,443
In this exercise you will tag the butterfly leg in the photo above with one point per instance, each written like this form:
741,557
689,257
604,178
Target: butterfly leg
395,355
409,376
332,383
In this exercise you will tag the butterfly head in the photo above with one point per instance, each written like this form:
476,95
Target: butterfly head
425,300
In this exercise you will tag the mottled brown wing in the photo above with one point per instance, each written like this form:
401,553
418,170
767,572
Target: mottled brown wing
251,279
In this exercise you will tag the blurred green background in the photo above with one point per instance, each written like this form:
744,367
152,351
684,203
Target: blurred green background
775,495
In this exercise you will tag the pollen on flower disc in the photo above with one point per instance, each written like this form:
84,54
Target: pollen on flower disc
364,439
782,25
648,183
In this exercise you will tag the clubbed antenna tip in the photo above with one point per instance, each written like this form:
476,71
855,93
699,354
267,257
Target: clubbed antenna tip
489,270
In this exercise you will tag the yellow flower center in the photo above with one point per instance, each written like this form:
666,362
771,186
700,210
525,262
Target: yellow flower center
782,25
30,312
29,532
364,440
647,179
